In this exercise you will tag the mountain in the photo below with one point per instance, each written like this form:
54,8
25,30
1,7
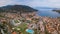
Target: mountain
20,8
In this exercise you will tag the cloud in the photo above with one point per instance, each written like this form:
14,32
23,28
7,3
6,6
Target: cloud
5,2
45,3
32,3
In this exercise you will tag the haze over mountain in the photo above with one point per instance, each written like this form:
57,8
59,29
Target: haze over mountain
46,8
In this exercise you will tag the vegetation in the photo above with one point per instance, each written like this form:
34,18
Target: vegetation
16,21
2,16
21,28
19,8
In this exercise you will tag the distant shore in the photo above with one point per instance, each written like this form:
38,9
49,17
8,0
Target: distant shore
57,11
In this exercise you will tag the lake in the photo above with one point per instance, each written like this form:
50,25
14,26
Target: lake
48,12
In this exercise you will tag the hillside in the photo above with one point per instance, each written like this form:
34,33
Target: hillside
15,8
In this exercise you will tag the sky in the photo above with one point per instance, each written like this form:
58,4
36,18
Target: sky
32,3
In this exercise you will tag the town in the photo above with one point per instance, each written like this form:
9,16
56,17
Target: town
28,23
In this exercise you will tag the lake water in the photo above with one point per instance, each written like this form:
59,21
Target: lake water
48,12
